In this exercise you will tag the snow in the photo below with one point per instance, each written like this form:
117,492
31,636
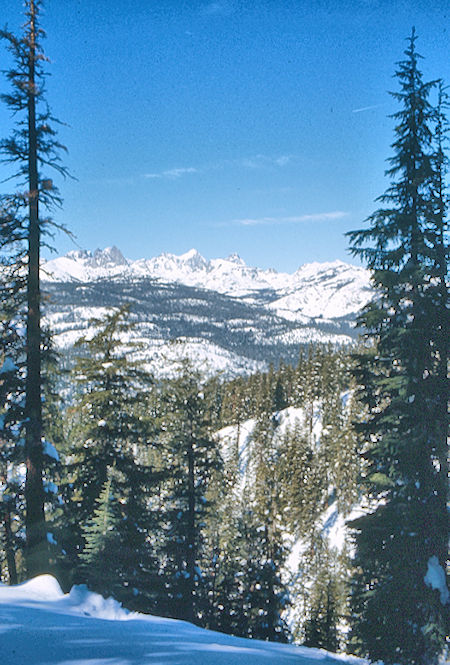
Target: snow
314,304
435,578
333,525
315,290
39,625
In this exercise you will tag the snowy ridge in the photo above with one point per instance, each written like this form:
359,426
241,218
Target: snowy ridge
310,291
40,624
231,318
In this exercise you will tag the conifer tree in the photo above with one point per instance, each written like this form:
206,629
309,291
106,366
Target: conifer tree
13,390
192,456
400,611
12,380
31,147
266,595
100,557
108,442
321,626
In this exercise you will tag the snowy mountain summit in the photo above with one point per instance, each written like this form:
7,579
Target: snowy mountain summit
235,317
326,290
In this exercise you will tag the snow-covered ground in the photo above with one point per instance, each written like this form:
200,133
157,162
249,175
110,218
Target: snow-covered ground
39,625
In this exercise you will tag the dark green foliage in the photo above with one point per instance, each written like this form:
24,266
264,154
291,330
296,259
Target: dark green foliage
31,146
325,604
12,385
191,454
101,557
321,627
13,372
396,616
265,596
302,481
109,438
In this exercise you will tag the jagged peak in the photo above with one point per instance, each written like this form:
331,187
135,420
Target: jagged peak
77,254
194,259
109,256
235,258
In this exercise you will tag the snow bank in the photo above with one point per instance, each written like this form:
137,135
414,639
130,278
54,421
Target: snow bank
85,602
42,588
41,625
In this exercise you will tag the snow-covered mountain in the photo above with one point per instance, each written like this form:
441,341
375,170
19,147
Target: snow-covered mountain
327,290
234,317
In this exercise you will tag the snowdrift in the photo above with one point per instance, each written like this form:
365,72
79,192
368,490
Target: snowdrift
39,625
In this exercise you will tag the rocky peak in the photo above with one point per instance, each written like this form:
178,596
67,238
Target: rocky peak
108,258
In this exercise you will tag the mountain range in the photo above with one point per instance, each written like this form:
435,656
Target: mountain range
225,315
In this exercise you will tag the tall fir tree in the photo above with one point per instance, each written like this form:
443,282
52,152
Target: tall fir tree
192,457
400,611
325,597
31,147
265,596
108,442
12,381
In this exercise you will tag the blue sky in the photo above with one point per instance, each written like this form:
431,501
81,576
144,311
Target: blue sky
256,127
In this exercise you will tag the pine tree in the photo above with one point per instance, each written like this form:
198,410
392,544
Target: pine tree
99,559
266,596
192,456
12,382
108,443
398,614
32,146
326,595
321,627
13,391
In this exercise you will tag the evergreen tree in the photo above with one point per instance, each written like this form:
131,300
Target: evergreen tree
302,493
398,613
321,626
100,560
32,146
13,391
12,383
266,596
192,456
108,444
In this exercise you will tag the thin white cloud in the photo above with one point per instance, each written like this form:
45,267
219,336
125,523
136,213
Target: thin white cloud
264,161
172,174
296,219
367,108
254,162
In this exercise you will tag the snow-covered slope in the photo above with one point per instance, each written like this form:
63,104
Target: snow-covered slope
327,290
39,625
233,317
